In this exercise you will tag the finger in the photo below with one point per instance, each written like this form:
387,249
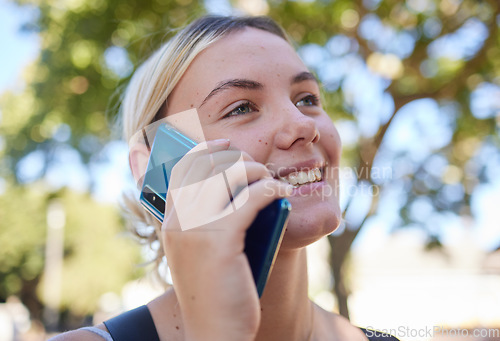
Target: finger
204,148
209,197
252,171
205,165
213,145
220,157
229,179
180,169
224,190
254,198
178,173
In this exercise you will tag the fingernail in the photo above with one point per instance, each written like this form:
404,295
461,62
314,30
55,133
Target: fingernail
221,141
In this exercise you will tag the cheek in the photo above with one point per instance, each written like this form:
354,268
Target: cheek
330,138
258,147
255,143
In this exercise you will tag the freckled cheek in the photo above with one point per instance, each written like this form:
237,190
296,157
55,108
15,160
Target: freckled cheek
331,139
254,145
261,149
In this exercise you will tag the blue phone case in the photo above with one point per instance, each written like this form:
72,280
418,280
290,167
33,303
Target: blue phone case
263,237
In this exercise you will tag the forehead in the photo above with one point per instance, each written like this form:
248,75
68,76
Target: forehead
251,46
250,54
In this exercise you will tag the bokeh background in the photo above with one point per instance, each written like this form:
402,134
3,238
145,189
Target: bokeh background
413,87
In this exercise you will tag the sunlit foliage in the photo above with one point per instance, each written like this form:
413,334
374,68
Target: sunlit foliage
413,87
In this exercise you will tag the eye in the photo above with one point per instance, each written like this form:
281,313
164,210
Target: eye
242,109
308,101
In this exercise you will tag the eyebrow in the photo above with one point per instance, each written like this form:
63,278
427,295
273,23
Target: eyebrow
233,83
253,85
304,76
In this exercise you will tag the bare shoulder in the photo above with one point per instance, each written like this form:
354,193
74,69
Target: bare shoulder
167,317
79,334
335,324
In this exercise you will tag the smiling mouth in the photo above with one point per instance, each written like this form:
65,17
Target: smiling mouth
300,178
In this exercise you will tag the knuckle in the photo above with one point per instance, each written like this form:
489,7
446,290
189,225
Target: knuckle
204,162
246,156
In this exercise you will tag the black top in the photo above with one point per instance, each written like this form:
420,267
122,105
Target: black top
138,324
375,335
133,325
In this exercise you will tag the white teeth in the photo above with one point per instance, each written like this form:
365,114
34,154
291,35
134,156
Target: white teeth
317,172
292,179
303,177
311,175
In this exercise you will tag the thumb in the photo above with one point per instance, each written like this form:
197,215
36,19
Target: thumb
256,197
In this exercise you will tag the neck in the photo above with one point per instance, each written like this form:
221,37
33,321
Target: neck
286,308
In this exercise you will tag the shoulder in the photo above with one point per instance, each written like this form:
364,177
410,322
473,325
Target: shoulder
79,334
375,335
167,317
338,325
335,324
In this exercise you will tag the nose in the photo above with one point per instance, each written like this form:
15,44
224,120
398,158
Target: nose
295,128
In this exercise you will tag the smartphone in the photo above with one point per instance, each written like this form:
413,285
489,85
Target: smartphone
263,237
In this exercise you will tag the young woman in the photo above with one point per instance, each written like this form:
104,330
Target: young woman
253,94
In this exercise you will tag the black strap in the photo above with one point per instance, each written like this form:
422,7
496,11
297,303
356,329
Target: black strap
375,335
133,325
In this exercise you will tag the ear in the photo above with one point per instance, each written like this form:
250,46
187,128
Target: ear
138,161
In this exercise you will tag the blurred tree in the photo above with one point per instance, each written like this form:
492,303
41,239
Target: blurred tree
396,74
88,253
417,84
87,48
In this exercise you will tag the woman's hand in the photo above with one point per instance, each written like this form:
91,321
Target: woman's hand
203,237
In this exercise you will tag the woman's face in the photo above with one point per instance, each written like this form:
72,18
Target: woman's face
252,88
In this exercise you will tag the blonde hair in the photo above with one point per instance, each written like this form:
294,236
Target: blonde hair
146,96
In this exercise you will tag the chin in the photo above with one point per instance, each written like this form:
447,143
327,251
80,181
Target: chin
305,228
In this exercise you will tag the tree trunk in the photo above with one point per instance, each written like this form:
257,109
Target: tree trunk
29,298
340,246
